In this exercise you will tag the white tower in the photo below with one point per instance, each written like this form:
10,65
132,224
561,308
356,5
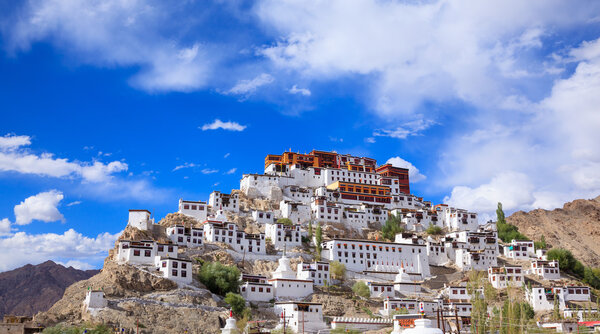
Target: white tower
230,325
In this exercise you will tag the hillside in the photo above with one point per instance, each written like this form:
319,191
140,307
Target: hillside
575,227
31,289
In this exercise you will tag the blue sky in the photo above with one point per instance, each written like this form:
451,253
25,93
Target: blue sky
102,105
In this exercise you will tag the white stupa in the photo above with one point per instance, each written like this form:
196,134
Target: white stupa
422,326
403,276
284,270
230,325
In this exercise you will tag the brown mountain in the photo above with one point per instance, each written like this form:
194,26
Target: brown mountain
575,227
30,289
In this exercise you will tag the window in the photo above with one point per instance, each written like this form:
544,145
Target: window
175,264
164,264
136,252
174,272
183,273
147,253
183,265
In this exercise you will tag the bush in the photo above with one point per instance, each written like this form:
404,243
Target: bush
568,263
507,232
337,270
541,244
219,278
434,230
392,226
361,289
236,302
285,221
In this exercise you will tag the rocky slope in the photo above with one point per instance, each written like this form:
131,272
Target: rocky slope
575,227
30,289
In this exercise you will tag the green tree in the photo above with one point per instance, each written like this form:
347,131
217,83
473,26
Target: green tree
310,229
434,230
219,278
285,221
392,226
541,244
337,270
361,289
556,312
500,219
236,302
319,240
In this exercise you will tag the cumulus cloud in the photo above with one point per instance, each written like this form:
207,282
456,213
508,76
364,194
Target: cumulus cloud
22,248
5,228
248,87
218,124
545,159
42,206
301,91
9,142
117,32
413,172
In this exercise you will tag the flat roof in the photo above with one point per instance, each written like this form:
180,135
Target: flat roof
173,258
373,241
295,302
139,210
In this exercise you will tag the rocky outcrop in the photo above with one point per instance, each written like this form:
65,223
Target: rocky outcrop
31,289
575,227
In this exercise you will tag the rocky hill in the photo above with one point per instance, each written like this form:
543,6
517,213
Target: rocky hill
31,289
575,227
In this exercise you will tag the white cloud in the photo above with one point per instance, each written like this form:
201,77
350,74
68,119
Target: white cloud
209,171
413,172
218,124
185,165
411,52
302,91
412,128
14,157
248,87
121,33
5,228
22,248
226,155
73,203
77,265
370,140
231,171
42,206
541,161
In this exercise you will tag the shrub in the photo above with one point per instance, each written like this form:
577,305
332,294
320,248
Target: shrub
338,270
285,221
236,302
434,230
361,289
507,232
219,278
392,226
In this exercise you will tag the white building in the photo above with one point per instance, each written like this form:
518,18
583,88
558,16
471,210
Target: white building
436,252
403,283
317,271
367,255
458,219
519,250
472,250
185,236
140,219
507,276
263,217
381,289
197,210
297,194
360,324
286,284
565,326
284,236
413,306
136,252
297,212
256,288
178,270
300,316
457,294
94,299
325,211
216,231
543,298
226,202
548,270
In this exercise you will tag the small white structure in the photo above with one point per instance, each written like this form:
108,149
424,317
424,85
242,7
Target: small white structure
403,283
136,252
284,236
317,271
240,241
543,298
422,326
140,219
94,299
230,325
565,326
519,250
286,284
185,236
300,316
436,252
197,210
503,277
381,289
548,270
458,293
225,202
178,270
580,313
263,217
297,212
390,305
256,288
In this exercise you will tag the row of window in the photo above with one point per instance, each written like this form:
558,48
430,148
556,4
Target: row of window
193,207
